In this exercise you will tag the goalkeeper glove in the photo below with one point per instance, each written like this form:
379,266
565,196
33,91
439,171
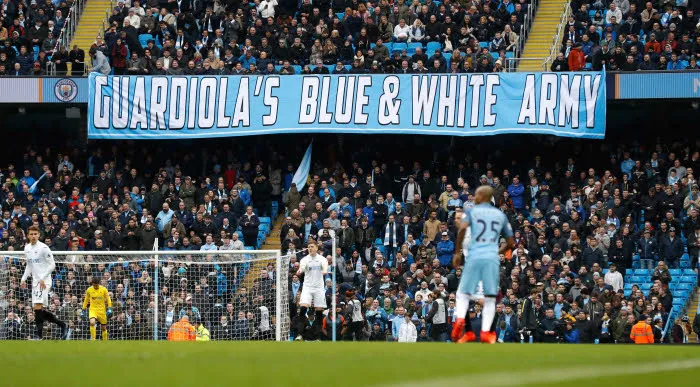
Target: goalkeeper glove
83,314
109,312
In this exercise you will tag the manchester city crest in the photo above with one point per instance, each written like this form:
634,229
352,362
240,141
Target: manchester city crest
66,90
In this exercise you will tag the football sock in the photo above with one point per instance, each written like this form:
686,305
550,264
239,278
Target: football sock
50,317
302,321
318,323
461,305
93,332
105,335
39,319
488,313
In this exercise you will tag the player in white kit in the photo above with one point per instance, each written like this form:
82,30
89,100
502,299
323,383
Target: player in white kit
40,265
314,267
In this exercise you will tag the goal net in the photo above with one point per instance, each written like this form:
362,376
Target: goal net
235,295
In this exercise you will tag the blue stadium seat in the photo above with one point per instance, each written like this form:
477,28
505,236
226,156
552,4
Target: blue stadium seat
675,310
483,44
680,294
605,271
689,272
265,219
675,272
643,272
399,47
36,52
448,56
636,280
679,302
509,54
685,265
628,292
689,280
432,46
628,286
412,48
340,15
144,38
645,286
297,69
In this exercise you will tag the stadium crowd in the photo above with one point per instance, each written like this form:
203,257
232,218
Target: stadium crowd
625,35
577,230
271,37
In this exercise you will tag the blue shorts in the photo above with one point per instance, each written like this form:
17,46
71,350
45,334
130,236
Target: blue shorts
485,270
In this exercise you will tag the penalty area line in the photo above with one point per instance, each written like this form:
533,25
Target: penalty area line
520,378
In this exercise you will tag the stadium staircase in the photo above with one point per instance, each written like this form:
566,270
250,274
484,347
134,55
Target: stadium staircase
692,313
91,24
544,33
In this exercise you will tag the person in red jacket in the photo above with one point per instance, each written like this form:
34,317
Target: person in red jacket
577,60
119,57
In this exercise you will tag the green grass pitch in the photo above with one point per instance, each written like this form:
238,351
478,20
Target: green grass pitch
272,364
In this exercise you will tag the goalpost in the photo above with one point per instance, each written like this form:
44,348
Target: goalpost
236,295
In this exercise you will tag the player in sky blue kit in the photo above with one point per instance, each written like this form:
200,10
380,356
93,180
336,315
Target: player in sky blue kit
486,224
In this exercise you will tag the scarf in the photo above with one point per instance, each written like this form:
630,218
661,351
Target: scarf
388,232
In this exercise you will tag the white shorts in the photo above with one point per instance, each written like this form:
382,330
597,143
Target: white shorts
41,296
314,297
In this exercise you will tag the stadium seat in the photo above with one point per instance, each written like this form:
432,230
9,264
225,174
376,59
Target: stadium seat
398,47
483,44
641,272
689,272
448,56
645,286
678,302
432,46
265,219
628,286
689,280
675,310
628,292
680,294
414,46
340,15
297,69
685,265
144,38
675,272
636,280
605,271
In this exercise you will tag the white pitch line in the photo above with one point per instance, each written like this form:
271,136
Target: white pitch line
520,378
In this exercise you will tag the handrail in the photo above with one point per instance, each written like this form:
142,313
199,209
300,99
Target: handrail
556,44
524,33
514,63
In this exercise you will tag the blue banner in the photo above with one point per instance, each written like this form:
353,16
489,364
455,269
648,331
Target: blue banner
171,107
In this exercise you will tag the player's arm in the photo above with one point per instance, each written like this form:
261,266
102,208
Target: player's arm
51,265
83,313
87,299
27,272
108,302
324,267
302,266
458,257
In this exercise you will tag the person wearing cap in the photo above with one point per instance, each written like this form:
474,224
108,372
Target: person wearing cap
647,249
681,330
671,249
586,328
190,310
642,332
